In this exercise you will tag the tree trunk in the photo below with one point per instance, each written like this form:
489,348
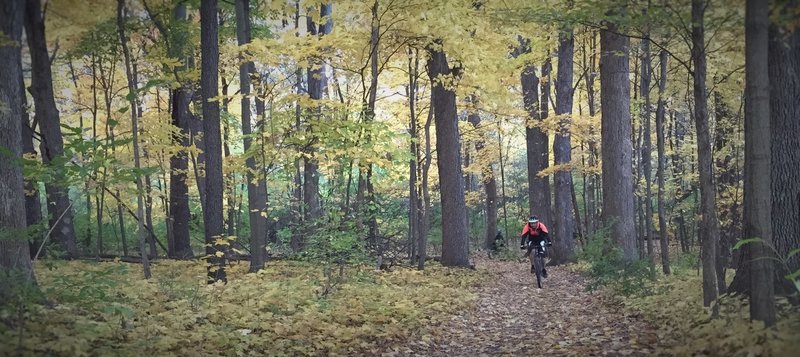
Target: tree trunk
647,147
132,90
784,74
709,230
757,197
544,198
413,198
316,88
455,241
212,213
16,270
536,143
179,214
33,206
256,182
662,163
47,116
426,197
618,201
489,185
564,241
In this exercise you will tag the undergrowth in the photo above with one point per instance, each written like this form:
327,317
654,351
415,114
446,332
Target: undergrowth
107,309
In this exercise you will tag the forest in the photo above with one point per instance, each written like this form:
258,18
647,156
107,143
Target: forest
351,177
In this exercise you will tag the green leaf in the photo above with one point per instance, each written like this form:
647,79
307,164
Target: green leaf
742,242
792,253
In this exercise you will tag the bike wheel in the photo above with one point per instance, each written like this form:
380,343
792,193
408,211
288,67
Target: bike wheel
538,266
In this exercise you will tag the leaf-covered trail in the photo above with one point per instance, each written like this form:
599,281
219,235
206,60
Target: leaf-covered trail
513,317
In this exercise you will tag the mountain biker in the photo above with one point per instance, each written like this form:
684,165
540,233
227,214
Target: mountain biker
532,234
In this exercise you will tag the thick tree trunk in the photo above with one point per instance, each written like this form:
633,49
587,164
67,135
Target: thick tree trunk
455,241
135,131
256,182
784,75
47,116
212,213
757,195
15,261
709,229
662,163
536,143
564,242
617,149
179,214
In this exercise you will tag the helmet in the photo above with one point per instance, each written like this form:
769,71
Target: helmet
533,219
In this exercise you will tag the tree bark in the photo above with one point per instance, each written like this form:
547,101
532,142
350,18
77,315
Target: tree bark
413,197
647,145
617,149
536,142
564,242
709,229
544,198
316,88
209,69
16,269
662,163
426,197
455,241
52,146
135,131
757,197
784,75
256,182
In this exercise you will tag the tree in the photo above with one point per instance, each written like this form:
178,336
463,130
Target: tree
489,182
132,92
256,183
662,162
757,197
212,137
455,241
647,145
15,261
784,76
617,148
52,144
709,226
562,152
536,141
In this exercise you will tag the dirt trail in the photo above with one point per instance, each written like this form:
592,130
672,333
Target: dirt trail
514,318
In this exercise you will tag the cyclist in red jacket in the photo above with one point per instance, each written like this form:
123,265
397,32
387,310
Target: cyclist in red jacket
532,234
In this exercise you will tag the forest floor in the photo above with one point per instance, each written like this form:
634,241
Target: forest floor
514,317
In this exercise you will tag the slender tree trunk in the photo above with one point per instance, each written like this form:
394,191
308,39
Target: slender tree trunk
544,197
426,197
47,116
316,88
618,201
489,185
212,213
757,194
647,145
257,206
591,186
33,207
662,163
15,263
709,230
564,251
413,204
455,241
135,131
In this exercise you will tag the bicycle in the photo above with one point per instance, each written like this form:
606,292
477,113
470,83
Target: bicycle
537,260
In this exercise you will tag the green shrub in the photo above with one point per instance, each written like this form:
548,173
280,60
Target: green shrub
607,268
